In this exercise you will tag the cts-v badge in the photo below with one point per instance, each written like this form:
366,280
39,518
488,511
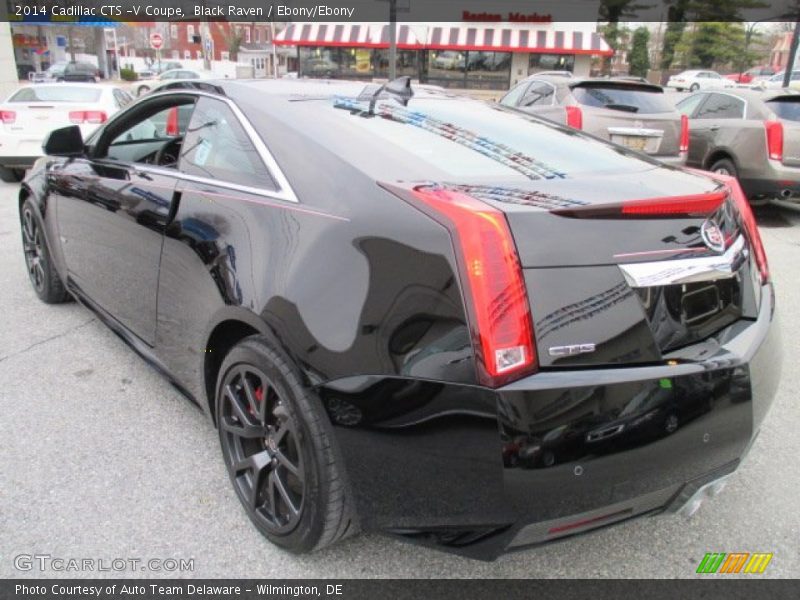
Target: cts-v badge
712,235
571,350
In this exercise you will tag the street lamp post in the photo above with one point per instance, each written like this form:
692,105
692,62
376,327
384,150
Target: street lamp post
787,73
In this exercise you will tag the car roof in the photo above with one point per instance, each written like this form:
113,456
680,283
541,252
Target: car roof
751,94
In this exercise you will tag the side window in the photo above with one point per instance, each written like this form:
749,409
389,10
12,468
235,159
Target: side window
140,139
722,106
512,97
687,106
539,94
121,98
216,146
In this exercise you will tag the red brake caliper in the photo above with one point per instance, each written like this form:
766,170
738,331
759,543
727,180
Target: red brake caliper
259,393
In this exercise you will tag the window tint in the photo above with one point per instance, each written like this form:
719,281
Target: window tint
122,98
512,97
467,141
160,126
539,94
786,108
688,105
629,99
216,146
721,106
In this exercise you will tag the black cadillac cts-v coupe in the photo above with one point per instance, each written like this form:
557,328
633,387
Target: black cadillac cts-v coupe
416,313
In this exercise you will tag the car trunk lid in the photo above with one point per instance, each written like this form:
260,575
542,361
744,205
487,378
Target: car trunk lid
634,115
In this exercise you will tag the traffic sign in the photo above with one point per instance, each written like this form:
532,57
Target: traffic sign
156,41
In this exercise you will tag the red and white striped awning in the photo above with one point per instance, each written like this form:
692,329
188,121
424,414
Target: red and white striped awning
346,34
500,39
487,38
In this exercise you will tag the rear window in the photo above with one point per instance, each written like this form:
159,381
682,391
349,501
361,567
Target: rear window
640,101
786,108
464,140
56,93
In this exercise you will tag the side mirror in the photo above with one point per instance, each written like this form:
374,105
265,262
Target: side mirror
65,141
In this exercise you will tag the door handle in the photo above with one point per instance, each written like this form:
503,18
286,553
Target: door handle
714,128
143,175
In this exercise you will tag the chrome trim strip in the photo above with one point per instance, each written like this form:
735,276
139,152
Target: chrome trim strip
637,131
687,270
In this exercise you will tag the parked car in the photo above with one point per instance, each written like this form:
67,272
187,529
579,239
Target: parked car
368,292
776,82
694,80
752,75
751,135
31,112
68,71
634,114
449,60
169,77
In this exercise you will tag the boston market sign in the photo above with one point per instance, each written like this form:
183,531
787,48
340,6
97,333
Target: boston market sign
513,17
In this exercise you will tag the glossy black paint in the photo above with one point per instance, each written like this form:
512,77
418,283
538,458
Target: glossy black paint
360,290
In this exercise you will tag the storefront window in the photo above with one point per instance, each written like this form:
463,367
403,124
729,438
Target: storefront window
407,63
488,70
333,62
551,62
469,69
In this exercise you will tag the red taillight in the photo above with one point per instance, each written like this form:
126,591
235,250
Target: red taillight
674,205
495,293
684,144
78,117
649,208
172,121
8,116
774,139
750,227
574,117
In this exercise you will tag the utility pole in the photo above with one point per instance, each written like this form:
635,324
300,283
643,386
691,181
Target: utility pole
392,39
787,74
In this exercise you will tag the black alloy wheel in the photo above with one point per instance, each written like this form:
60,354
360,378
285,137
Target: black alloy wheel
44,279
32,245
278,446
260,440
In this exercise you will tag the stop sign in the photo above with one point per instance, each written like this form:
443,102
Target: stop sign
156,41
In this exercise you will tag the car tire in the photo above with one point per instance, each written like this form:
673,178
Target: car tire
142,90
278,447
9,175
44,278
724,166
694,87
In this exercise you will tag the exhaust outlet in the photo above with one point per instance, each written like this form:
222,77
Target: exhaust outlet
786,193
706,492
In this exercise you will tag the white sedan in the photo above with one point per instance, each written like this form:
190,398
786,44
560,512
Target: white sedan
776,82
171,76
694,80
33,111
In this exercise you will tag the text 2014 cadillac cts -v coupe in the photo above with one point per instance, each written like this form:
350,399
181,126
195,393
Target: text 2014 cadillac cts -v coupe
415,313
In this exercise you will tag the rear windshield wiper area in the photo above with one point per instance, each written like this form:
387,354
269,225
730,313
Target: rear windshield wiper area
623,107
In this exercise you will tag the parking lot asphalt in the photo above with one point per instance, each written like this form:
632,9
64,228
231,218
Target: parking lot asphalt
101,458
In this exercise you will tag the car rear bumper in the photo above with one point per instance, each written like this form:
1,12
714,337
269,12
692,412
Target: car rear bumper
775,180
677,160
18,162
482,472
